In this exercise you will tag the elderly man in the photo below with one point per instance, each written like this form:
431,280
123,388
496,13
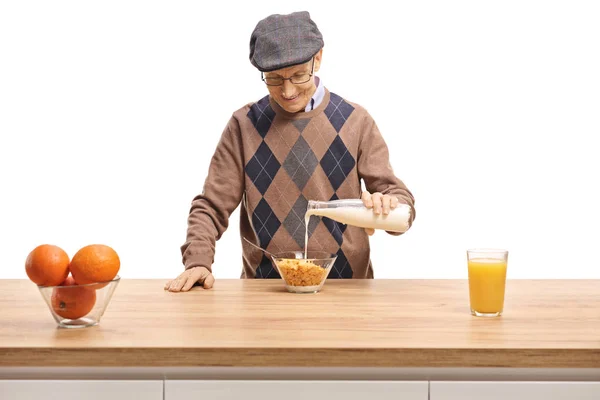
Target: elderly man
300,142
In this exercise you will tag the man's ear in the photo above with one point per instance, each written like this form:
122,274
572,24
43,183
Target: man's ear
318,58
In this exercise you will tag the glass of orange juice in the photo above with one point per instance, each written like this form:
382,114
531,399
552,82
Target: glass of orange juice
487,281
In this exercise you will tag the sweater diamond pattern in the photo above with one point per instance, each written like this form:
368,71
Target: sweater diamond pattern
295,224
341,269
261,114
300,124
335,228
265,269
262,168
265,223
338,111
300,163
337,162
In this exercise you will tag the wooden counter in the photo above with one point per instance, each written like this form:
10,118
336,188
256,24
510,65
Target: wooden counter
358,323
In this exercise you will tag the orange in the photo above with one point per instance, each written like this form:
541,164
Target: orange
74,301
95,263
47,265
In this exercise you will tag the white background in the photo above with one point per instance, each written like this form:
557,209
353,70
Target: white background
110,112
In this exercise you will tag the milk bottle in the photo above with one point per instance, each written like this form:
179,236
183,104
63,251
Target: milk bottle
353,212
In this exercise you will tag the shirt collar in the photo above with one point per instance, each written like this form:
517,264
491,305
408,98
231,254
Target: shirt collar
317,97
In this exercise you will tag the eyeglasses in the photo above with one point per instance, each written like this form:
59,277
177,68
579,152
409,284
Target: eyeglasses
295,79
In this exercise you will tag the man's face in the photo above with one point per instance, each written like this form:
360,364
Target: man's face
294,97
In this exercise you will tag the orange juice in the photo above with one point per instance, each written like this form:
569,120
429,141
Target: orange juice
487,281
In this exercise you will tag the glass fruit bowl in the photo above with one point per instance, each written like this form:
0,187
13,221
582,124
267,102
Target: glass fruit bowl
304,275
78,306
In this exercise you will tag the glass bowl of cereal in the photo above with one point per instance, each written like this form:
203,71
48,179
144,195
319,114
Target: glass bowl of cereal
304,275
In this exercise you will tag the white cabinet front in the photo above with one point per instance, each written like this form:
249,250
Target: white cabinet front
515,391
295,390
80,389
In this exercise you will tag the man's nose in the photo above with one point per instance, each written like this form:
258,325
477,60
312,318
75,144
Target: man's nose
288,90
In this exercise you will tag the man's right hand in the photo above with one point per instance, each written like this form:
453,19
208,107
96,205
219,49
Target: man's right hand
187,278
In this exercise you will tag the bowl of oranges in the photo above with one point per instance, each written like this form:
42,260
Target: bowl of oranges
77,290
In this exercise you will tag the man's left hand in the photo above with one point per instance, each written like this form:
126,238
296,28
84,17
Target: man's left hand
380,203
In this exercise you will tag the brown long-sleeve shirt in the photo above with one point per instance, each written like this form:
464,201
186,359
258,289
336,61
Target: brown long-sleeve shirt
272,162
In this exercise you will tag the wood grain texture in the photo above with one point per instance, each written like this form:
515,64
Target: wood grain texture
378,323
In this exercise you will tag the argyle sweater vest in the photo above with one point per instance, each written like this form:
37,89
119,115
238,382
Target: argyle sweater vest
271,163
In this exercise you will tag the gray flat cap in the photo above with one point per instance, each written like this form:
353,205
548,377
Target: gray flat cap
280,41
